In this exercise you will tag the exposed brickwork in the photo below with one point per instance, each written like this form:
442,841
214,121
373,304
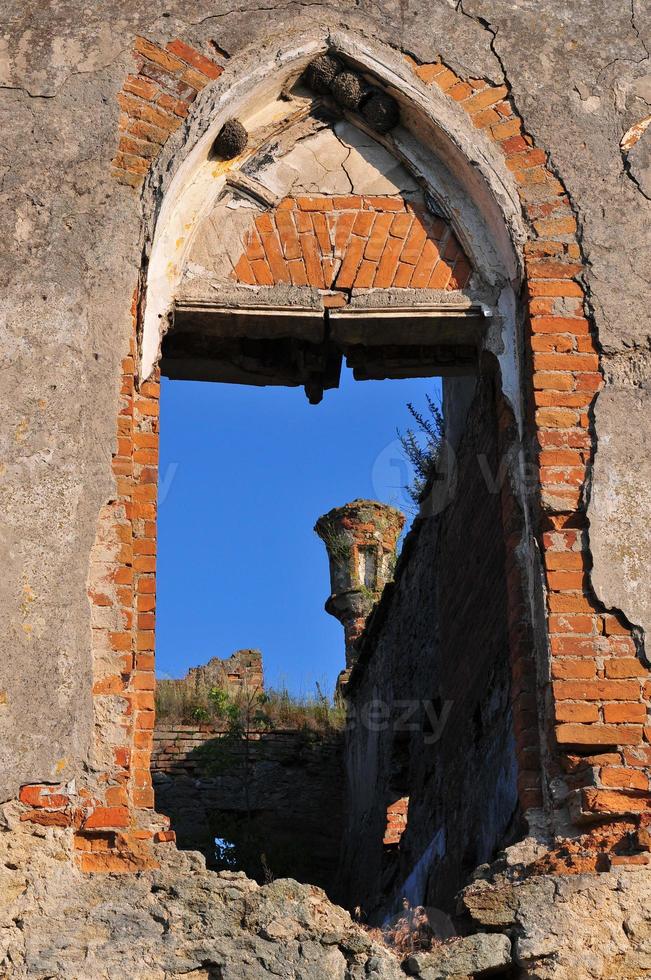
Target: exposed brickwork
591,649
350,242
429,697
396,822
293,790
599,688
154,102
241,671
113,830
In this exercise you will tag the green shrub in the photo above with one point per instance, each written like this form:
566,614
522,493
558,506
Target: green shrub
422,447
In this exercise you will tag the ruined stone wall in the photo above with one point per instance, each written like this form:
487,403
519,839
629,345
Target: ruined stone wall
290,782
182,921
560,93
431,722
241,671
95,97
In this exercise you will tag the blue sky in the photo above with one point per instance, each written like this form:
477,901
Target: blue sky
244,474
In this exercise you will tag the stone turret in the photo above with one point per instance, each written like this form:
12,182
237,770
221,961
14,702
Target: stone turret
360,539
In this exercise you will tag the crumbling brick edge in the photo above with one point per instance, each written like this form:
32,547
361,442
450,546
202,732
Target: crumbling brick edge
600,688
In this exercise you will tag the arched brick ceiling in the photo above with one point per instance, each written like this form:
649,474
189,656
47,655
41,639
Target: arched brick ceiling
352,242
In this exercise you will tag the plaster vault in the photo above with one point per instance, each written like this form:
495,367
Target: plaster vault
306,237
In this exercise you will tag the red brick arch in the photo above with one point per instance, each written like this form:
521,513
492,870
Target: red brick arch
155,101
599,688
334,242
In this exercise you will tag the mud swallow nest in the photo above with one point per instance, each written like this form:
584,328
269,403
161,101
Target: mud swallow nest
232,139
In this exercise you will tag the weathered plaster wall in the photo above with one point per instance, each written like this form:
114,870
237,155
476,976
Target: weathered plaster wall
621,542
67,272
579,75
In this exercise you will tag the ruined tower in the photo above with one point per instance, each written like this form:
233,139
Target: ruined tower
360,538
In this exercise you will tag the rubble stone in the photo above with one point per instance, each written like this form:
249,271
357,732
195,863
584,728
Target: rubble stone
477,956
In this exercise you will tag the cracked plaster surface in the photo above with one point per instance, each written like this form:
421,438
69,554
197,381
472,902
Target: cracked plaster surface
622,478
580,76
337,160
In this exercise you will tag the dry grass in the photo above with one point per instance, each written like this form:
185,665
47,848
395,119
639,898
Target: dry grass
414,931
176,701
181,702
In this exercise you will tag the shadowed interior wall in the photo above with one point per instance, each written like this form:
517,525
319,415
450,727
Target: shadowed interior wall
289,782
429,698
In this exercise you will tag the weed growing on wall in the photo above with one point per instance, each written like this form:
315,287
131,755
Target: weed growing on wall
274,709
422,447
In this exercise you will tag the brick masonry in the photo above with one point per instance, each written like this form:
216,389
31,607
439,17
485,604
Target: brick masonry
243,670
112,817
353,534
396,822
293,789
598,719
155,101
352,242
599,690
436,652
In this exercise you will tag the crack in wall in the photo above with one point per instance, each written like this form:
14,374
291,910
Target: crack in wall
91,71
490,30
345,161
126,49
35,95
636,31
627,170
275,8
627,61
493,33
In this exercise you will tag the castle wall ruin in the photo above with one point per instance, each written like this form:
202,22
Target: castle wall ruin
279,797
429,699
524,140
